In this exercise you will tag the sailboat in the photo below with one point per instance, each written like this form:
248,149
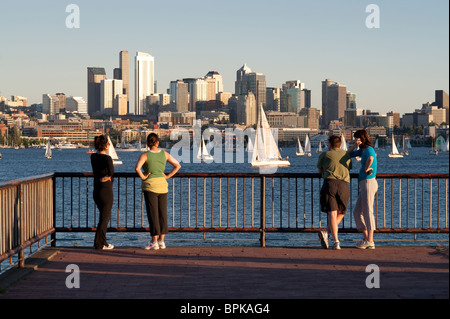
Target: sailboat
203,153
48,151
265,151
113,154
300,148
405,147
307,146
394,153
343,143
319,149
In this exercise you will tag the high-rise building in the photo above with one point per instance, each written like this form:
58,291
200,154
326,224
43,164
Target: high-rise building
334,101
95,76
441,99
50,104
249,81
125,74
351,100
218,85
246,109
109,89
179,95
144,80
294,97
76,104
198,91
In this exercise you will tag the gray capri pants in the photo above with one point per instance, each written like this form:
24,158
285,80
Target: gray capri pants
363,212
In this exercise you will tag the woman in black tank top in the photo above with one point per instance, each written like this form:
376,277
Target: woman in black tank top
103,169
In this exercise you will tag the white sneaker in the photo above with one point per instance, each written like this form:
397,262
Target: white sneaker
107,247
366,245
337,246
152,246
161,244
323,235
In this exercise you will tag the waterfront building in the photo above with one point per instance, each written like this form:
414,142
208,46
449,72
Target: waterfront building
176,118
144,80
95,77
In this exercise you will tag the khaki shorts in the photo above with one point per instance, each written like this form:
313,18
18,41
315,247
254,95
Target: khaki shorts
334,196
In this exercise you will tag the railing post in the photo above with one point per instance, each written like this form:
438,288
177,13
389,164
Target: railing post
19,224
53,235
263,211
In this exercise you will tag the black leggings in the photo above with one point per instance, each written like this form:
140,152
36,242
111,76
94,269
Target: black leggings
103,198
156,205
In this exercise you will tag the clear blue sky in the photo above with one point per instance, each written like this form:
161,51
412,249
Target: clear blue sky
396,67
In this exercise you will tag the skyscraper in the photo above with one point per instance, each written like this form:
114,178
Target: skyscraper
179,95
95,76
249,81
334,101
123,73
109,89
144,80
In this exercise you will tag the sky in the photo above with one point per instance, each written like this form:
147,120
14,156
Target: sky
396,67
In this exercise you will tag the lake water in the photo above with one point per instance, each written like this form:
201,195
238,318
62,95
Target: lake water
22,163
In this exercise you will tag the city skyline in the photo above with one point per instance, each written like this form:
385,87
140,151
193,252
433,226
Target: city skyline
396,67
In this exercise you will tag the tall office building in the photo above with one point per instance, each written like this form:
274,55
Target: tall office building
218,85
294,97
179,95
334,101
123,73
76,104
351,100
198,91
95,76
144,81
249,81
50,104
109,89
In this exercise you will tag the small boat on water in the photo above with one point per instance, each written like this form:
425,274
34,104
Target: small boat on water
48,151
113,154
203,153
266,152
300,148
394,153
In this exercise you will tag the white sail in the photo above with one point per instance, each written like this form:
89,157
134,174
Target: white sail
203,153
446,146
265,151
376,144
307,145
113,154
319,148
440,144
300,148
343,143
48,150
394,153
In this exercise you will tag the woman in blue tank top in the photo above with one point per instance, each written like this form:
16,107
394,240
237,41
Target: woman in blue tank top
368,185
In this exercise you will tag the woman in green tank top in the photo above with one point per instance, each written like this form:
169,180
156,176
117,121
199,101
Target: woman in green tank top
150,168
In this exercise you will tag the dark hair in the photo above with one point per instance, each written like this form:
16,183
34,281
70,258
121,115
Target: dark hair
152,139
101,142
335,141
364,137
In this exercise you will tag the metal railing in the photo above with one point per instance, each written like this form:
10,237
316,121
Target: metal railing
26,215
35,208
247,202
